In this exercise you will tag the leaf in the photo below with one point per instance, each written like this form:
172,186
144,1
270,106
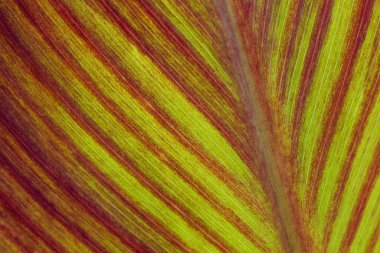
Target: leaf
189,126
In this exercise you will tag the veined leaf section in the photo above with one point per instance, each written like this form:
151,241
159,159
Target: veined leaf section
125,126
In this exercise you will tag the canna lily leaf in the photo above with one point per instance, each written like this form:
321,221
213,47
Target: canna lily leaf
189,126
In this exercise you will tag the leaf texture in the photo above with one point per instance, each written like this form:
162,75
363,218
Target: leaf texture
189,126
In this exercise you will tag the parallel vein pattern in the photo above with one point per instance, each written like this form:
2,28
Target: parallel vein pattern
189,126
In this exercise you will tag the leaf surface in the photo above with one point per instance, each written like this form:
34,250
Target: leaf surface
189,126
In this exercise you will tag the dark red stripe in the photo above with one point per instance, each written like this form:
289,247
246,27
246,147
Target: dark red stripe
267,16
105,181
8,234
114,150
358,31
230,216
115,110
271,156
7,203
105,55
133,88
352,151
189,52
158,191
290,46
318,36
365,192
374,240
48,206
52,166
